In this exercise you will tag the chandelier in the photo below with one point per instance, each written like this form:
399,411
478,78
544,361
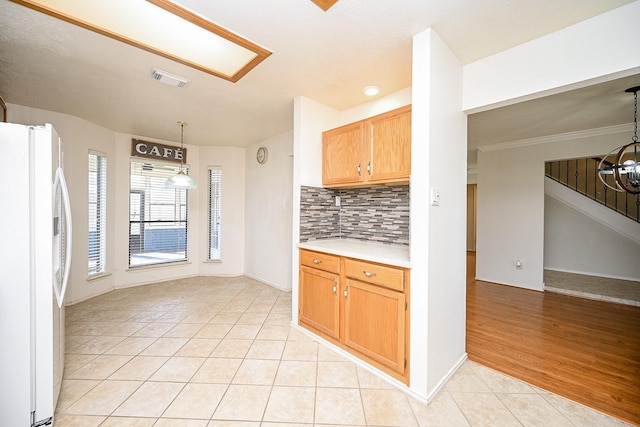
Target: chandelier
626,165
181,180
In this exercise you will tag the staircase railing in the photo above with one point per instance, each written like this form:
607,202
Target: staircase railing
581,175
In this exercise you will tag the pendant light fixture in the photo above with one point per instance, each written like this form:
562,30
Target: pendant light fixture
181,180
626,165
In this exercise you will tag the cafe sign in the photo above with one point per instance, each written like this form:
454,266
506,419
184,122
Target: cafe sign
153,150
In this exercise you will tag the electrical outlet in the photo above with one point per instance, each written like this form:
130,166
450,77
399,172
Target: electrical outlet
338,201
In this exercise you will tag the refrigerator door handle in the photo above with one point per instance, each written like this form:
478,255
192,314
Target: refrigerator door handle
61,183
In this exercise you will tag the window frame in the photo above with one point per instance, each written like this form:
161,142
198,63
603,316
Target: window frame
214,234
154,198
100,214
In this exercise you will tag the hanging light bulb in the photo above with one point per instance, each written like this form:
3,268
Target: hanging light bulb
181,180
626,165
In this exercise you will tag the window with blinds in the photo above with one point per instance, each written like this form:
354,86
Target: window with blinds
157,216
215,210
97,213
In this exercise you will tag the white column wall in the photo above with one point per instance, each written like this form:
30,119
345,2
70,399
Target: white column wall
438,233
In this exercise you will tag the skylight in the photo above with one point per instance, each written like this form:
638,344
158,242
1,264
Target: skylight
164,28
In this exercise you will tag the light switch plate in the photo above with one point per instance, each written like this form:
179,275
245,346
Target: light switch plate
435,196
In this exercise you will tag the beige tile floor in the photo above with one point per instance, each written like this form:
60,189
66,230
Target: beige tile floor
212,352
593,287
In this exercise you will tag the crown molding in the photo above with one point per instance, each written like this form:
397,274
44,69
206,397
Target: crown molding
608,130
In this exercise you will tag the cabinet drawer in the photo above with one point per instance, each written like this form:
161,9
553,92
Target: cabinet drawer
389,277
320,261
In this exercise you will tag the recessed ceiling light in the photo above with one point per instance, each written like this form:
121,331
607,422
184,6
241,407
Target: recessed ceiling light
164,28
371,90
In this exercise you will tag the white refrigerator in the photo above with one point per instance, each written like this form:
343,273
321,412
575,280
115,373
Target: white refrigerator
35,256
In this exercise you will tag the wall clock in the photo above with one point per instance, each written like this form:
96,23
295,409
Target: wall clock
261,155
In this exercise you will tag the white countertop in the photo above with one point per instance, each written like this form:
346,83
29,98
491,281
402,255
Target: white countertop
367,251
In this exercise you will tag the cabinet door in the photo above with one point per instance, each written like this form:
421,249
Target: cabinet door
375,323
318,301
390,146
342,153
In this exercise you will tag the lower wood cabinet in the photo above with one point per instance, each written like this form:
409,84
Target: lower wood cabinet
374,323
319,301
360,306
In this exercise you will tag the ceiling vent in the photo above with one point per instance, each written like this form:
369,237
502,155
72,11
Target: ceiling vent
167,78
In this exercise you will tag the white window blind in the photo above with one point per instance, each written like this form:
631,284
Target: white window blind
215,210
158,216
97,213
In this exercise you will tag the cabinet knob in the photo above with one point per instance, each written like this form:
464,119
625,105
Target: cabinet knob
345,291
359,174
369,168
369,274
335,289
317,261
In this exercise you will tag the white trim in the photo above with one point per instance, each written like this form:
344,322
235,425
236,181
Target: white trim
447,377
97,153
167,264
273,285
98,276
157,161
607,130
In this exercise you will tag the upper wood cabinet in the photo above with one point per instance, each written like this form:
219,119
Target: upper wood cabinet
372,151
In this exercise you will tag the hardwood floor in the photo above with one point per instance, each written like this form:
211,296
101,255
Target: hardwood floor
585,350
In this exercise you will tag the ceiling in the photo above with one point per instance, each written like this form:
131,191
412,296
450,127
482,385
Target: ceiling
595,106
327,56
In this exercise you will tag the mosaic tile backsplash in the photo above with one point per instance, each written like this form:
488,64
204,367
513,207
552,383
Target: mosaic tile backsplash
378,214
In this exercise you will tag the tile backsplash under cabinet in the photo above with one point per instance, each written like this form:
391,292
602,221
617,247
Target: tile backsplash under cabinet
377,214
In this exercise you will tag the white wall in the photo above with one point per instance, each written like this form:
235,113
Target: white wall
510,217
79,136
124,276
511,203
268,212
598,49
232,161
438,233
510,181
575,242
